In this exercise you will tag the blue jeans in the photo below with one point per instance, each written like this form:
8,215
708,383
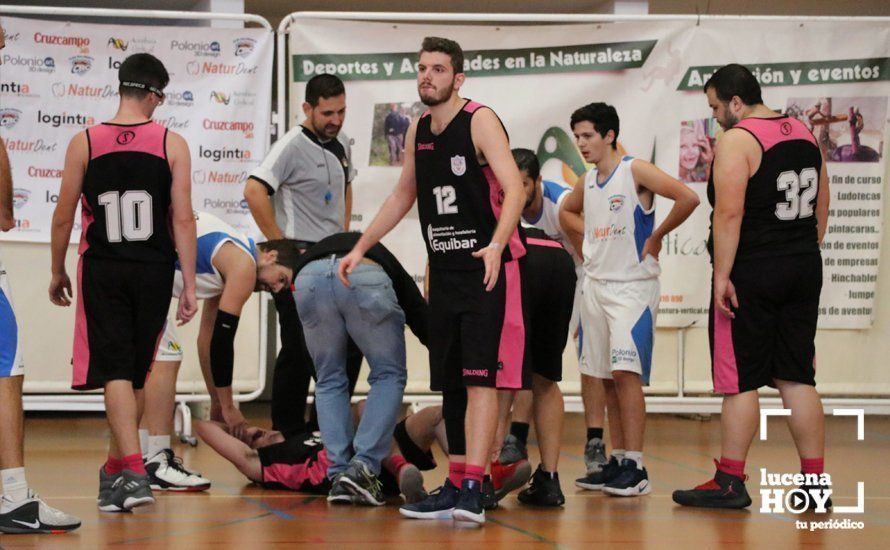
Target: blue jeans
368,312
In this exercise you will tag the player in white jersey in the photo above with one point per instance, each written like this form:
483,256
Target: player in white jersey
620,287
229,268
544,200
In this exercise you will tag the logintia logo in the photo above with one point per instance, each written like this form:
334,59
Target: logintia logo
64,119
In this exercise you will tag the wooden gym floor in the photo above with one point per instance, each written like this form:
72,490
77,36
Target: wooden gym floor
63,454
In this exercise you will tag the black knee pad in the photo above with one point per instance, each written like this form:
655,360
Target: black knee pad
454,411
415,455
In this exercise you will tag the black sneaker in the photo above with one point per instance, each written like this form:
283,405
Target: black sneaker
339,494
469,505
363,484
489,498
543,491
724,491
631,482
33,516
817,490
513,450
595,481
127,491
438,505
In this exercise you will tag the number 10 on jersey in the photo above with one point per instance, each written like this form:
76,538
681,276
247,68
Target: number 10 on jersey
127,216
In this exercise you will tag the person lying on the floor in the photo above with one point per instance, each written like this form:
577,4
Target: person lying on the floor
299,462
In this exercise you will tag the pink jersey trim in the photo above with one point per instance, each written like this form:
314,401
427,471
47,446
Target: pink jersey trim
86,219
772,131
425,114
531,241
295,476
81,359
495,197
472,106
143,138
726,371
511,350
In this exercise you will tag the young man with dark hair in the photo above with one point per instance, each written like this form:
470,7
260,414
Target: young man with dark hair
133,179
21,509
302,190
769,190
620,288
230,267
459,170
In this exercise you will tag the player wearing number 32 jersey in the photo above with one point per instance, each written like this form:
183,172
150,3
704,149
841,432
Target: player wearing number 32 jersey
769,190
130,176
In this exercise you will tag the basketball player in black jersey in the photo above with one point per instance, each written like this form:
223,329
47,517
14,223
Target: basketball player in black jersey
769,190
131,177
459,168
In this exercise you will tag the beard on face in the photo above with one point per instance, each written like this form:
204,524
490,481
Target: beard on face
436,99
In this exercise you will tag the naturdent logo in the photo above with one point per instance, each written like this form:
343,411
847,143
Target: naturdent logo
218,176
174,123
34,64
29,146
195,68
107,91
9,117
798,493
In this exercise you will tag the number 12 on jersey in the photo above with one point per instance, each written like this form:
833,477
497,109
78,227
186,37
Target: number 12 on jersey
800,192
445,197
127,216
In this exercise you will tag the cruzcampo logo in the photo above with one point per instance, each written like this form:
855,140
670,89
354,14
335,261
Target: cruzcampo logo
801,73
612,56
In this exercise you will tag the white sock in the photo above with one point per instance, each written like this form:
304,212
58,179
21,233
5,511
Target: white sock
618,454
143,442
636,456
157,443
15,486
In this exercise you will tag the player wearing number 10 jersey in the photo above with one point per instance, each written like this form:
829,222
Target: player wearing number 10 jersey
769,190
129,175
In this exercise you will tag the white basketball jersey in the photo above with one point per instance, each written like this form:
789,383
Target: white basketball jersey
553,194
616,227
212,234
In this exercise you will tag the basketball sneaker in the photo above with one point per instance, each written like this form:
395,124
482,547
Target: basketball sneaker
543,491
411,484
817,489
596,480
359,480
124,491
469,504
513,450
489,499
630,482
595,455
33,516
166,473
509,477
438,505
723,491
339,493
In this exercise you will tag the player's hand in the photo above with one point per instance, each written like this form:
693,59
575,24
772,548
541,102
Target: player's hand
235,421
216,412
725,298
347,264
188,307
6,223
252,434
60,289
652,247
491,256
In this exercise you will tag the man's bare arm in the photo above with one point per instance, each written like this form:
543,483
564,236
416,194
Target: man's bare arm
7,217
76,159
260,203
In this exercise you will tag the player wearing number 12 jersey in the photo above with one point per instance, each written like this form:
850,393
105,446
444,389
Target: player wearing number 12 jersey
131,176
769,190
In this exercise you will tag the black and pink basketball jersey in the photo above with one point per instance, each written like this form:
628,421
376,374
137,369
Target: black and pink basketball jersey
458,199
780,201
125,198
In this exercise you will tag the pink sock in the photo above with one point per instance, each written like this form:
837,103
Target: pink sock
394,464
113,465
732,467
133,463
456,472
812,465
474,472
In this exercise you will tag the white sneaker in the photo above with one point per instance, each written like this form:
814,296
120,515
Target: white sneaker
166,473
32,515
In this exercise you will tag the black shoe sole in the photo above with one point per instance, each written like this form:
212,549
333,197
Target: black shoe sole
724,504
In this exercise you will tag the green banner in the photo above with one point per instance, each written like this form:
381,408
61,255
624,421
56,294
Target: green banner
801,73
614,56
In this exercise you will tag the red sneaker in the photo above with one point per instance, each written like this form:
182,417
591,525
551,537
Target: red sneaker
509,477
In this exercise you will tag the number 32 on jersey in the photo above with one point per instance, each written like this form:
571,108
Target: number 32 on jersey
800,192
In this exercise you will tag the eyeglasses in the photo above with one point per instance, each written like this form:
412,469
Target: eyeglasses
160,95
